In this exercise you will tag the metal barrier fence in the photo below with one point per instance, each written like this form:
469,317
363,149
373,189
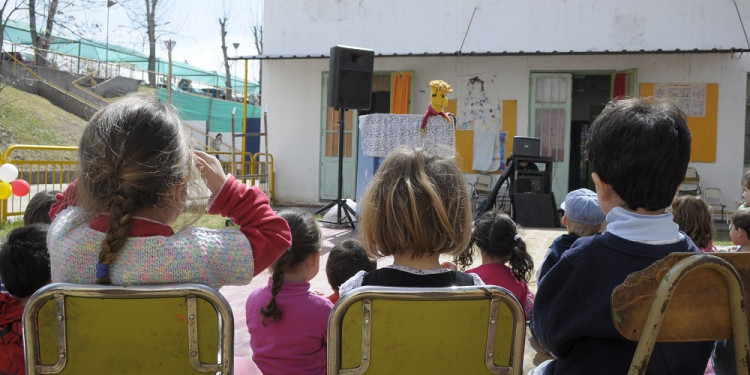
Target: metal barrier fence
252,164
56,174
40,174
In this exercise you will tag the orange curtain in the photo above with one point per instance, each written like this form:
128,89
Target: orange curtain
401,92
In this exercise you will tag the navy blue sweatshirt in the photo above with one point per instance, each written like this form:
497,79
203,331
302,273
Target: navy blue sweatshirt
572,314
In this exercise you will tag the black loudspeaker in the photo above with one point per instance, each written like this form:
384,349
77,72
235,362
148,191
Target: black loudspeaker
535,210
350,78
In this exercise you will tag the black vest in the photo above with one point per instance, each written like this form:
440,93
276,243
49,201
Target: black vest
393,277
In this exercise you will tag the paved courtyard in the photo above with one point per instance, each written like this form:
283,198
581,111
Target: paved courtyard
537,240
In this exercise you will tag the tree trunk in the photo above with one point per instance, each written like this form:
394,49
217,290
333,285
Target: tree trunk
258,36
223,24
32,27
151,32
42,41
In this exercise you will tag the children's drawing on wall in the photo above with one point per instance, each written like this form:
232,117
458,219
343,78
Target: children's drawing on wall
479,109
691,98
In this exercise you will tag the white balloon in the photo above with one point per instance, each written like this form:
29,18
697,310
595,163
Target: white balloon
8,172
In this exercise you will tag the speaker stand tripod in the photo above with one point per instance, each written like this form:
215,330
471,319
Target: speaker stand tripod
340,203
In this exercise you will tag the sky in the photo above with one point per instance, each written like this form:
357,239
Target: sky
193,24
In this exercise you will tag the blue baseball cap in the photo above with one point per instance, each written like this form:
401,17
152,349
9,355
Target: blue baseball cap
582,206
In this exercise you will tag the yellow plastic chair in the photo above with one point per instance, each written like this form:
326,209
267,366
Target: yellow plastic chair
459,330
685,297
104,329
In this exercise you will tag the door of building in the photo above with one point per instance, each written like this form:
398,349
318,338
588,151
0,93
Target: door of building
329,149
549,116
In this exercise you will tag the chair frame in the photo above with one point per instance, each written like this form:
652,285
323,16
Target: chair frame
690,182
477,193
715,206
192,292
659,306
495,294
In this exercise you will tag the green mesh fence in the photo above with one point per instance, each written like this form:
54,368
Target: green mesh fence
217,112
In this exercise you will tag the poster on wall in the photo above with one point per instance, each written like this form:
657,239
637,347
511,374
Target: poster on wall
479,109
691,98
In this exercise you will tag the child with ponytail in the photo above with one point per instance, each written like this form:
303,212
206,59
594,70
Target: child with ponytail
499,243
136,169
287,323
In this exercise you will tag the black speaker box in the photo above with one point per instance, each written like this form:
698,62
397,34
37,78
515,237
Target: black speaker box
535,210
350,77
531,184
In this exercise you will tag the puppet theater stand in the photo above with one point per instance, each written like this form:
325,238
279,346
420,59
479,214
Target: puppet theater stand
381,133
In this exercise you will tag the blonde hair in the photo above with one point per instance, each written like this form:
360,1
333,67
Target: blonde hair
416,203
581,230
441,86
693,216
133,154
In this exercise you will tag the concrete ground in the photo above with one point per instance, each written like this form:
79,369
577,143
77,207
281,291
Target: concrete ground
537,240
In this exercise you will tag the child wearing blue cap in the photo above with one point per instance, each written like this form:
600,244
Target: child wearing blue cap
582,218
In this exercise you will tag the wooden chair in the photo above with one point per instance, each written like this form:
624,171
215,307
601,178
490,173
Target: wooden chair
685,297
104,329
459,330
691,184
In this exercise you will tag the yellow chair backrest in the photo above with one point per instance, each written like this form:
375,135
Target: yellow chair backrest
459,330
103,329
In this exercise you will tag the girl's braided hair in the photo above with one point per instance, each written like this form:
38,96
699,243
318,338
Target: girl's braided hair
305,242
133,156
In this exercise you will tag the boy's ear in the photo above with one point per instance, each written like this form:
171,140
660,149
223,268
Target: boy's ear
603,189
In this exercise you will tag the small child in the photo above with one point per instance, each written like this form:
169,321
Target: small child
37,211
287,323
496,236
24,267
723,357
638,151
740,229
415,208
582,218
137,170
745,190
693,216
344,261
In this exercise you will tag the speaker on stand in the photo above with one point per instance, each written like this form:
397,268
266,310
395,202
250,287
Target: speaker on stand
349,87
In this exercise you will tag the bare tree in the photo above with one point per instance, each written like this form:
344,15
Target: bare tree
53,13
42,40
223,25
257,29
149,17
6,11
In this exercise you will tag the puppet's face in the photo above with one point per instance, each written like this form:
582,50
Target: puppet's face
439,98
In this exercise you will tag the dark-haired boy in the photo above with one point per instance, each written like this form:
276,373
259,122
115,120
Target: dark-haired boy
24,268
723,358
344,261
638,151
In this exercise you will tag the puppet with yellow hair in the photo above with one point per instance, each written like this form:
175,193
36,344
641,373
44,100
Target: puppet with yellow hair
439,90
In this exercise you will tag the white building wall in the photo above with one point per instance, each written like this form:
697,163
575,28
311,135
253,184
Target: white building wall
293,89
416,26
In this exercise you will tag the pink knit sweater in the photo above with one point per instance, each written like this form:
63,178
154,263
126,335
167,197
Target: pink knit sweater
153,255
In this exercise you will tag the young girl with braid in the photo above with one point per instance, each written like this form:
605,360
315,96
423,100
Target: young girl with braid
505,261
288,323
112,225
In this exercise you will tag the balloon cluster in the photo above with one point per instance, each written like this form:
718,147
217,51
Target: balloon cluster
10,183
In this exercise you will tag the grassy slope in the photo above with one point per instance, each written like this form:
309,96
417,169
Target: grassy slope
30,119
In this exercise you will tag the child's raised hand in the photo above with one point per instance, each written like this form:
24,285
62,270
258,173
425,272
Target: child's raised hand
211,171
